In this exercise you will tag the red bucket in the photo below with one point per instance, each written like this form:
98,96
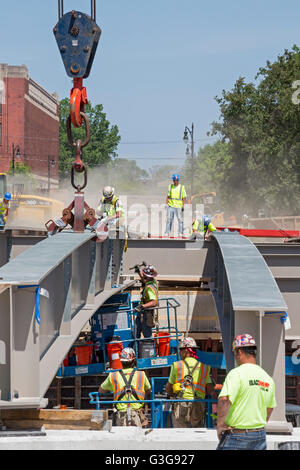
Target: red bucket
114,350
163,344
84,355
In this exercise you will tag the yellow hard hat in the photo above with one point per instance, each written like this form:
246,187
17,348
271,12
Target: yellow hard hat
177,388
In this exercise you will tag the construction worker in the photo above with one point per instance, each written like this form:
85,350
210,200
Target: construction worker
110,209
4,208
128,384
246,400
201,227
189,379
145,319
175,204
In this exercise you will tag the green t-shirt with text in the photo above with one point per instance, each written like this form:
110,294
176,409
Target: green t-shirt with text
250,391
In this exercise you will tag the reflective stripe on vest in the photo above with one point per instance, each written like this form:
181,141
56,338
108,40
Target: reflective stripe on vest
199,386
118,389
171,189
153,286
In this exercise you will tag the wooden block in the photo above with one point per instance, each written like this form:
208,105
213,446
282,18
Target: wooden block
54,419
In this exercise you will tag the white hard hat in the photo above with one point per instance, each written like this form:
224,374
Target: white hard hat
127,355
187,343
243,341
108,191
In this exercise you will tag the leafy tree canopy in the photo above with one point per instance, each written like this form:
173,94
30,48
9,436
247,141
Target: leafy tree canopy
260,125
104,138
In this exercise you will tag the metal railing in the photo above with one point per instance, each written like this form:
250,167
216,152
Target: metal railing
157,411
172,332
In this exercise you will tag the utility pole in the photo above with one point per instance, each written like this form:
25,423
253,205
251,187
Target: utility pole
51,164
16,152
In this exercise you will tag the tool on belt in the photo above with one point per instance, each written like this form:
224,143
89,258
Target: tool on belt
129,390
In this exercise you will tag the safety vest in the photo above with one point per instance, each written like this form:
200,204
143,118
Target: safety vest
118,389
201,378
3,206
110,207
152,285
175,195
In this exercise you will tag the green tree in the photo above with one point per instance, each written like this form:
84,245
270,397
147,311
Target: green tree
103,143
260,123
19,169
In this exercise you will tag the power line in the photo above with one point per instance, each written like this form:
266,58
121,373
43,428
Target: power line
154,142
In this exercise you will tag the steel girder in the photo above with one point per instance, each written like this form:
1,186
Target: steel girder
47,294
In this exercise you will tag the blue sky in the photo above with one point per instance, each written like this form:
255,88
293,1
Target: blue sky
159,63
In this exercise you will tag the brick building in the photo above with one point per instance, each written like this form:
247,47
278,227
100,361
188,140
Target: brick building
29,125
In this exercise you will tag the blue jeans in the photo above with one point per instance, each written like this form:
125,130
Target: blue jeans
243,441
170,218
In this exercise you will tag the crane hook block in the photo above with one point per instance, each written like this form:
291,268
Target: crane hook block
77,36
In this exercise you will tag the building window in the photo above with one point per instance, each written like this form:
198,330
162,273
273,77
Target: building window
1,95
0,133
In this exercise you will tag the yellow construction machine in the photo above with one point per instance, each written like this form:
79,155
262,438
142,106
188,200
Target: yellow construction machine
29,209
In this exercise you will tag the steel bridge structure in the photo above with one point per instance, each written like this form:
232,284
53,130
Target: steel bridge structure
50,291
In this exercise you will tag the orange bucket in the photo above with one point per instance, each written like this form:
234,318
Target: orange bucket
163,344
114,350
84,355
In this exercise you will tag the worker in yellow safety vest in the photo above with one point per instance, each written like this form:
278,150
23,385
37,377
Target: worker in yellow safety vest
175,201
189,379
4,208
128,384
201,227
146,313
110,209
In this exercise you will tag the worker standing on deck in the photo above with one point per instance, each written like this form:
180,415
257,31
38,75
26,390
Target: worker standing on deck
175,204
189,380
128,384
145,319
110,209
201,227
246,401
4,208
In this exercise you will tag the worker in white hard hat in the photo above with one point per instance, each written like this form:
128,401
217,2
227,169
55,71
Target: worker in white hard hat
110,209
128,384
189,380
246,400
146,317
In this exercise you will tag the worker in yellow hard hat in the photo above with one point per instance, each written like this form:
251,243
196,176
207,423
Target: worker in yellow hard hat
189,379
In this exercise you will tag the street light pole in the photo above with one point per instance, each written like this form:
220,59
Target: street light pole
51,164
16,152
186,139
